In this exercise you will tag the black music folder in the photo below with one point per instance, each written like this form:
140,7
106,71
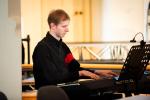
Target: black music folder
135,63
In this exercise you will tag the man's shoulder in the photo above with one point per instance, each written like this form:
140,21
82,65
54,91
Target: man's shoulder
41,44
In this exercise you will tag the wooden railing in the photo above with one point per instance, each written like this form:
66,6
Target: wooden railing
95,66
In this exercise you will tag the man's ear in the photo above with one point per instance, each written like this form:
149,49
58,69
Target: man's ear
52,25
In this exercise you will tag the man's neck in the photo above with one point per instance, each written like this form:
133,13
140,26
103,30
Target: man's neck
54,35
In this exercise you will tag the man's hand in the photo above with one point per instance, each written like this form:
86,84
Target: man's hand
89,74
106,73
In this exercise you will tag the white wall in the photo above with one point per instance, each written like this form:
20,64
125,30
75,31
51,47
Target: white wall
31,23
146,19
96,11
117,20
10,49
122,19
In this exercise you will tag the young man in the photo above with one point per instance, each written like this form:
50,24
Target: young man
53,62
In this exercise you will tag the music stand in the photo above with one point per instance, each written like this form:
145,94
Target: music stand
135,63
134,67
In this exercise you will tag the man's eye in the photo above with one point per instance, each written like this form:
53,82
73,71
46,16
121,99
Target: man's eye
64,26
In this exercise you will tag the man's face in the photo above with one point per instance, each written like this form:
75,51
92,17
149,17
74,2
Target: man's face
62,28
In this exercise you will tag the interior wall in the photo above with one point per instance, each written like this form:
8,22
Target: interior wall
31,23
10,43
147,19
122,19
96,20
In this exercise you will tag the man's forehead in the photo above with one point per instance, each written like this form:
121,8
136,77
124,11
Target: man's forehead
65,22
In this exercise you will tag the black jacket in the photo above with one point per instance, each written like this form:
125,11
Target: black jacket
53,63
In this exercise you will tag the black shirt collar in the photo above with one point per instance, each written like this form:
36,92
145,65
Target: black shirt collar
51,40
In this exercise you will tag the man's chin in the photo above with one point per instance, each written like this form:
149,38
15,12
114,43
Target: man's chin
63,36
